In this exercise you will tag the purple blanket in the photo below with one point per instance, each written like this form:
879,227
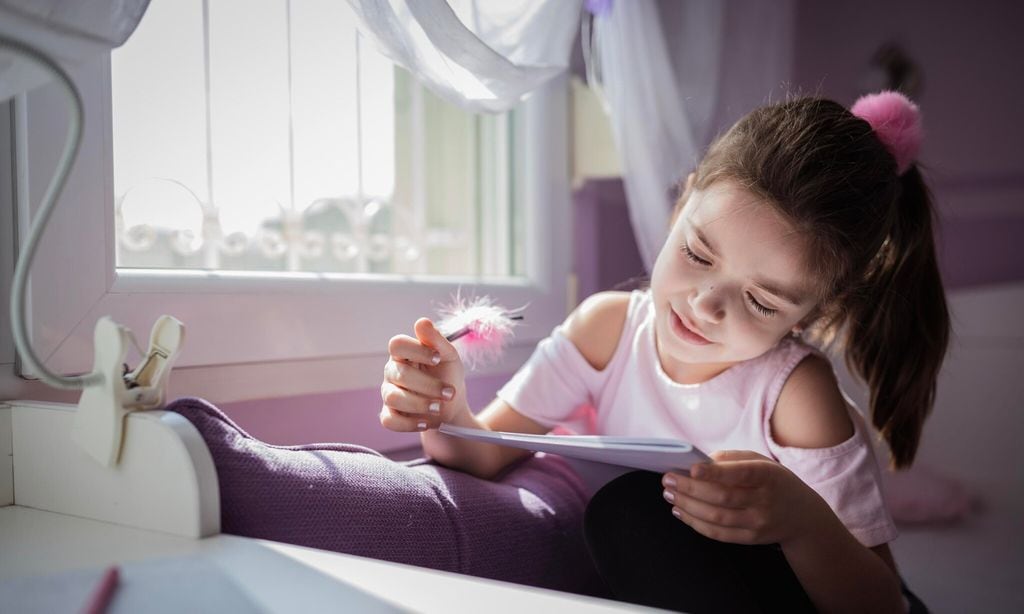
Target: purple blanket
524,527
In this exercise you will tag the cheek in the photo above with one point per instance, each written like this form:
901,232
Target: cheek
664,275
671,272
752,338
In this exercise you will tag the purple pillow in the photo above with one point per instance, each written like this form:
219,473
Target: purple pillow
524,527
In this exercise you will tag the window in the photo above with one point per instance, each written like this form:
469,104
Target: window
292,145
329,325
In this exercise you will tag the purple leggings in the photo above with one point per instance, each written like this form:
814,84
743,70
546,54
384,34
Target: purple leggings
526,526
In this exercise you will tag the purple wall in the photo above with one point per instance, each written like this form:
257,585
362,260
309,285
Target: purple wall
970,57
604,251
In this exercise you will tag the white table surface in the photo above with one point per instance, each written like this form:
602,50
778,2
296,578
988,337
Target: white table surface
277,577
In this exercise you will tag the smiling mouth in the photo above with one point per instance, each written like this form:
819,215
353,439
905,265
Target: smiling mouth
685,332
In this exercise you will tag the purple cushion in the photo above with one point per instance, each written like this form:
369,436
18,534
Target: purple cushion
524,527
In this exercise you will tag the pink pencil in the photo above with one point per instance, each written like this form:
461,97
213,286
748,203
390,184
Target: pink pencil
104,591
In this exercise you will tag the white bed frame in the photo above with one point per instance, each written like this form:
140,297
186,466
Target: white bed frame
164,481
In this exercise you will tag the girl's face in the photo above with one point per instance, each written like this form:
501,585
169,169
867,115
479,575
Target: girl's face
728,284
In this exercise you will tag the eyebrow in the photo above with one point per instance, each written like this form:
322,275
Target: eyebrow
769,287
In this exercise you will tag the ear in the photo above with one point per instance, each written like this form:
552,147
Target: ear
807,322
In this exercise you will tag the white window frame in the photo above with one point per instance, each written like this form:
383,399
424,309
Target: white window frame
316,332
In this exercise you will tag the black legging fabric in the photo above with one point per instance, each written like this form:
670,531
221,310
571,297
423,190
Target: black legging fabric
648,557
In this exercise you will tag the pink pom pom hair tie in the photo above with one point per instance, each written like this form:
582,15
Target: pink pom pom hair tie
897,123
481,328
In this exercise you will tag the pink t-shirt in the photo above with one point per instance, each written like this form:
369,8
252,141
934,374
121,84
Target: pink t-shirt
634,396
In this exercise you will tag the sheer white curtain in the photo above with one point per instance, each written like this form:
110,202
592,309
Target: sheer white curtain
481,55
674,72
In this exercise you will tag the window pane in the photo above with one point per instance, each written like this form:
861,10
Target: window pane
270,136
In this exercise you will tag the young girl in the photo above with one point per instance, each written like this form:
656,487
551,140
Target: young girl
805,222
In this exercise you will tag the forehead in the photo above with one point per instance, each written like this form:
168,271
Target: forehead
747,232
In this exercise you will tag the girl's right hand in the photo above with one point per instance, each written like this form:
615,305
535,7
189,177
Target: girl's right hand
424,381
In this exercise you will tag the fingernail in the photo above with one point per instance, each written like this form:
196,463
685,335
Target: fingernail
448,393
669,496
669,482
676,513
435,359
422,425
435,407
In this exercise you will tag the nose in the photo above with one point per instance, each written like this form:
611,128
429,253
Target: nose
708,304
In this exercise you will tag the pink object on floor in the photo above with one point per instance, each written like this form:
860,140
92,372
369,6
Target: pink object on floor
920,495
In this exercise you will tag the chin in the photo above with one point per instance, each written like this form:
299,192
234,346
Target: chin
714,353
687,352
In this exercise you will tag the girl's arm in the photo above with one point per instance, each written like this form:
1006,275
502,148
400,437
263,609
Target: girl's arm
484,460
413,381
594,327
839,573
836,570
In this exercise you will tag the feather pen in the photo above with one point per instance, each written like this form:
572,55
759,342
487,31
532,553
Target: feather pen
479,329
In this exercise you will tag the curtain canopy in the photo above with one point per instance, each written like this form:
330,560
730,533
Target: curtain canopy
482,56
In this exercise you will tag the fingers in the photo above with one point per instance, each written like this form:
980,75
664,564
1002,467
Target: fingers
395,420
414,398
408,377
408,349
710,513
724,513
737,468
407,402
714,493
732,535
428,335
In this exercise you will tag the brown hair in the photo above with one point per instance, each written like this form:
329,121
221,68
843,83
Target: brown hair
870,235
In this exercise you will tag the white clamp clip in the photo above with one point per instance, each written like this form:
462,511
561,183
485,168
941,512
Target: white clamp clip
102,407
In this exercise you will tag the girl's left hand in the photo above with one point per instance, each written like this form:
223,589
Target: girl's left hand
744,498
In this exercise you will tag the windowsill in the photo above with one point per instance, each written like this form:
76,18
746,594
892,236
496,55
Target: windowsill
173,281
260,380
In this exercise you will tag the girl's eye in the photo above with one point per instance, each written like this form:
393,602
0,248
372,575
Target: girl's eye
692,257
765,311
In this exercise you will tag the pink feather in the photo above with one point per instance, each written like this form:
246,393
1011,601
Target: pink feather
897,122
478,328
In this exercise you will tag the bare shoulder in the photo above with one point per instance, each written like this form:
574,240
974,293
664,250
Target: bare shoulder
595,326
811,411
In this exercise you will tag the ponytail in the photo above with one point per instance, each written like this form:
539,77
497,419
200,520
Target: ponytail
898,324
